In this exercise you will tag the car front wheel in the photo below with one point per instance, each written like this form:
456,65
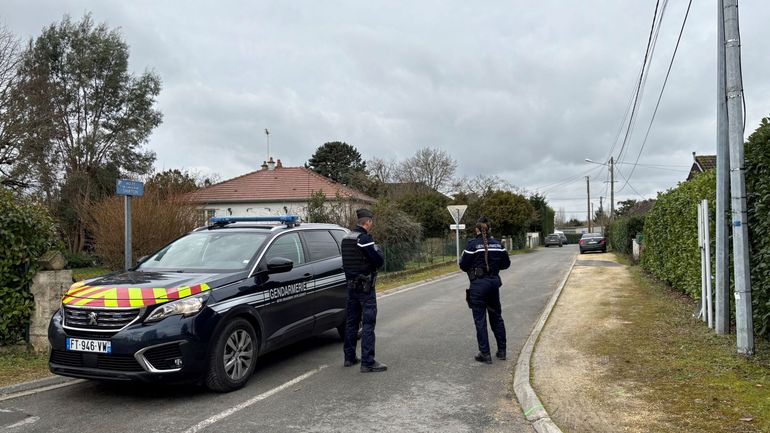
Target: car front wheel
233,356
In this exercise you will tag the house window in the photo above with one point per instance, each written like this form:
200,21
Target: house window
208,214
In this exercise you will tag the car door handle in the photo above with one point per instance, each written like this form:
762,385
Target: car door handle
308,276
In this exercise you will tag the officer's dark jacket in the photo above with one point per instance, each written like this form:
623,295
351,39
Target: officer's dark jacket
359,256
473,255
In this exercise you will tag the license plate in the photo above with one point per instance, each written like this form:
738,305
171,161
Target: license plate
81,345
592,242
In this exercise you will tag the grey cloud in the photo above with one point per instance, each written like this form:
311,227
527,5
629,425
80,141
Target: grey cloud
521,91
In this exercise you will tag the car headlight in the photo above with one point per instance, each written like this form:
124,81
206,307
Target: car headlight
184,307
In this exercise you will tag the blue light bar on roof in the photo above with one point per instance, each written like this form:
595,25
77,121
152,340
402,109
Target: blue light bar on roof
287,219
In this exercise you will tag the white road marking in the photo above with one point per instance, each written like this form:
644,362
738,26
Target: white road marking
42,389
25,421
224,414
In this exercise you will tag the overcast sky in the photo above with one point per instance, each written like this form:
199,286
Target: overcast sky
522,90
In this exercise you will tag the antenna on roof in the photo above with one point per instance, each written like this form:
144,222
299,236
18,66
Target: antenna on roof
267,135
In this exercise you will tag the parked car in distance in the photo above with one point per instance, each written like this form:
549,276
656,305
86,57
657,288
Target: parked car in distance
552,239
593,242
563,237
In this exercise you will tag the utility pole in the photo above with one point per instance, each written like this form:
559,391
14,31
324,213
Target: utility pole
723,186
612,188
601,213
734,87
588,203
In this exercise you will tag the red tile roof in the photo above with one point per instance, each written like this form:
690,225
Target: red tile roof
280,184
702,163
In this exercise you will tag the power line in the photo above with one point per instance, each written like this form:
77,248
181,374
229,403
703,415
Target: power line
646,61
630,186
566,181
660,95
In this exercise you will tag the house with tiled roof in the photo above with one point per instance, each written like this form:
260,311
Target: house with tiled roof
701,163
276,190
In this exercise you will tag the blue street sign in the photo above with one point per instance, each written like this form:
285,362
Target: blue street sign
130,187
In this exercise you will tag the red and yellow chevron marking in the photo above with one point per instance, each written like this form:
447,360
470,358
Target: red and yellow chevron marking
97,296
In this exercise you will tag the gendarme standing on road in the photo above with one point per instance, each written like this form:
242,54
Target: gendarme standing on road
482,260
360,260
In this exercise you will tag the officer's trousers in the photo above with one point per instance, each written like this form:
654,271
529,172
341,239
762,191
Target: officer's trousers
361,308
484,298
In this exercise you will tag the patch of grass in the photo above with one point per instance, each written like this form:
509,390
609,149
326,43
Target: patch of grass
17,365
402,278
80,274
694,375
390,281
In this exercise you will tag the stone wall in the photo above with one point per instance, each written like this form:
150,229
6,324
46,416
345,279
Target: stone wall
48,287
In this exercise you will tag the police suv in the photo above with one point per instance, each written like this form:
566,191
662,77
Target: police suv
206,305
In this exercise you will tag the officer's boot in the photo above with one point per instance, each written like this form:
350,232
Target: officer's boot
501,354
486,358
376,367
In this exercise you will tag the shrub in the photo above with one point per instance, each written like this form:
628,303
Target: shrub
79,260
26,233
157,219
758,195
397,233
671,250
621,232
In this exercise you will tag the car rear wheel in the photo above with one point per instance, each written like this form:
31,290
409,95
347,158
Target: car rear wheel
233,357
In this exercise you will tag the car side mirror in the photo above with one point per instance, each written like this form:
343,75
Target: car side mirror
276,265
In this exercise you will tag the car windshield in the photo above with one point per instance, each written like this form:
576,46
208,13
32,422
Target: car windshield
209,250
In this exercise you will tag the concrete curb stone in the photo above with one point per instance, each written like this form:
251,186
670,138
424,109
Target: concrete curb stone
34,384
528,399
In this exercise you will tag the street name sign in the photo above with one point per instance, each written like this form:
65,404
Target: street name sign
457,226
130,187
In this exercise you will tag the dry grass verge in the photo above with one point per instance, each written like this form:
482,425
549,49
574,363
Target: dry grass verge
638,361
17,365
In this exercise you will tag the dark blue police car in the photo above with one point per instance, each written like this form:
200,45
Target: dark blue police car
204,307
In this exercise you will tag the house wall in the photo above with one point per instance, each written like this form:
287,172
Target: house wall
270,208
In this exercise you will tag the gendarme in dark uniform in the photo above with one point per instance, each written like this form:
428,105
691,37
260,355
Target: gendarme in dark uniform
360,260
482,260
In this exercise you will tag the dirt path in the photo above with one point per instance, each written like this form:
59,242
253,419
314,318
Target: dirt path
570,380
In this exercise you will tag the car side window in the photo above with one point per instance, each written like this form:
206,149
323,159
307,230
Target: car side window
321,244
338,235
287,246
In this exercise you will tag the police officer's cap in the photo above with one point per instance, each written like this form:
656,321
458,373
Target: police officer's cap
364,213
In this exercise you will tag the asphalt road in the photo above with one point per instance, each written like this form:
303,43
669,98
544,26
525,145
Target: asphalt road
425,334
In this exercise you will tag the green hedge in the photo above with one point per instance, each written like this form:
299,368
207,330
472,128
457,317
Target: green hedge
757,153
671,233
26,233
621,232
670,247
573,238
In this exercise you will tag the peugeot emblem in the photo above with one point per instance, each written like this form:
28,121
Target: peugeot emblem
92,316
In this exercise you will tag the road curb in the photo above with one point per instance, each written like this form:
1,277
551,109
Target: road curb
525,394
34,384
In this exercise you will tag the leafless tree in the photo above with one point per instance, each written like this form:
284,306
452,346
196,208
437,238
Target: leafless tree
482,184
432,167
381,170
10,57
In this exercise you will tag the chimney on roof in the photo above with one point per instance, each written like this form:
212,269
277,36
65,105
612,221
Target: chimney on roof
270,164
279,164
264,165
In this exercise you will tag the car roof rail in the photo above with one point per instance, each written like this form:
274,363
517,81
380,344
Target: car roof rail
288,220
